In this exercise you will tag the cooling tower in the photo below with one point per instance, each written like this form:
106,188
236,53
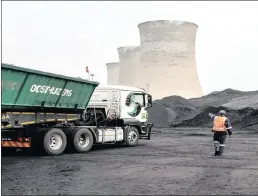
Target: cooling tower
129,58
112,73
168,58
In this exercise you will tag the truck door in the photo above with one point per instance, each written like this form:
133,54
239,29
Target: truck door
133,106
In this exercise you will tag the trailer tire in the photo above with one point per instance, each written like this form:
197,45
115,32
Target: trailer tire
132,136
83,140
58,142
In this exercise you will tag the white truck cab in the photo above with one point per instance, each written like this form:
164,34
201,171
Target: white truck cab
125,103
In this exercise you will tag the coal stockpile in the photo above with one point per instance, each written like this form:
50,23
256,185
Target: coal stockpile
171,110
175,111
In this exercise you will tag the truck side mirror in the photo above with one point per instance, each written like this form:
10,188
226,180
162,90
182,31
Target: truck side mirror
149,101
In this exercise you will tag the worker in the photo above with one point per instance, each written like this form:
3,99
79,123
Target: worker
221,126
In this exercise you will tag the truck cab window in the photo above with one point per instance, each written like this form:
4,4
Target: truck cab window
138,98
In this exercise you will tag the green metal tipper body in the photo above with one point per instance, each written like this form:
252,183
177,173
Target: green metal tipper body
30,90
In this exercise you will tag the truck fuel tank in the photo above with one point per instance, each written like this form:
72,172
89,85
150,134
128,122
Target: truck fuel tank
110,134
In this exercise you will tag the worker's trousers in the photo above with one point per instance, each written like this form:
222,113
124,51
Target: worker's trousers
221,138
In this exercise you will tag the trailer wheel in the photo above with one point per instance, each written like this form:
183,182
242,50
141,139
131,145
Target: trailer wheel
132,136
83,140
55,142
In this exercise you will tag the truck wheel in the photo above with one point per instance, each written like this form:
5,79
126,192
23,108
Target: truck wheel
132,136
55,142
83,140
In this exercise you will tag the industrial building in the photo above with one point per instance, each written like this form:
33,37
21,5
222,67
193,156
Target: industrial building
164,64
129,58
168,58
113,73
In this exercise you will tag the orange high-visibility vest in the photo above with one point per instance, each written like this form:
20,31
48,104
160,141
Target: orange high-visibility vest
219,123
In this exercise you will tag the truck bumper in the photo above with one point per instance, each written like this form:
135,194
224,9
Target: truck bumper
15,144
15,139
146,131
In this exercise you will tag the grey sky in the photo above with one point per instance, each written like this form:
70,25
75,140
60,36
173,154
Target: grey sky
64,37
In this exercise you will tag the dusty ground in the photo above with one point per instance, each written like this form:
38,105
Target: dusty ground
171,163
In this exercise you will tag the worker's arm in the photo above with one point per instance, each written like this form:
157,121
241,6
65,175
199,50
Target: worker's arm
212,116
228,126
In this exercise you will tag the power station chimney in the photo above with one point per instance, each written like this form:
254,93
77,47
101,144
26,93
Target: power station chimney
168,58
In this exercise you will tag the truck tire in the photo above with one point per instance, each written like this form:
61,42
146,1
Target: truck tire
132,136
82,140
54,142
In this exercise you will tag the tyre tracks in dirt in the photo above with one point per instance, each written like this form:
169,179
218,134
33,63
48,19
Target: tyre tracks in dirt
167,164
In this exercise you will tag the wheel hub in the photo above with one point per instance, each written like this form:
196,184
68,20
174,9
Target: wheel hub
132,136
84,140
55,141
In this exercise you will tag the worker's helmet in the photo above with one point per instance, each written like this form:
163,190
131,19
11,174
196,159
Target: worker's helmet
222,112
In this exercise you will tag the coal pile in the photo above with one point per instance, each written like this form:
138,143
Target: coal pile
171,110
175,111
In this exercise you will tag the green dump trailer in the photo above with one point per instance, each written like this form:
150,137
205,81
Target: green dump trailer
30,90
48,112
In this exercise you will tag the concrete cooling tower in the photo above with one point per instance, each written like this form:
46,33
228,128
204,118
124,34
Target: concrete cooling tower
112,73
129,58
168,58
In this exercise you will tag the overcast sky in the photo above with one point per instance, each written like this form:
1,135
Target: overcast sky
64,37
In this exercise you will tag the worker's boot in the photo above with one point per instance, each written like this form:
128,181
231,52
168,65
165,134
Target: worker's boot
217,148
221,150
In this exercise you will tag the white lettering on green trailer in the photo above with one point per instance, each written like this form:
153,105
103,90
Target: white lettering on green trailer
50,90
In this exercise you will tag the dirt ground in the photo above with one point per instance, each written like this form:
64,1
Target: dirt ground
173,162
